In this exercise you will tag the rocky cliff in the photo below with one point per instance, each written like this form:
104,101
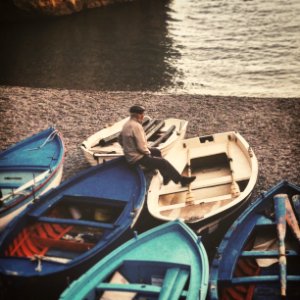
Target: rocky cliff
61,7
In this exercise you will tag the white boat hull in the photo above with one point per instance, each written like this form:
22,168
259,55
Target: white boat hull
96,154
226,171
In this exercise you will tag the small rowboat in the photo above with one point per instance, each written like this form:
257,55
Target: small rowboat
103,145
226,171
27,170
166,262
259,257
69,229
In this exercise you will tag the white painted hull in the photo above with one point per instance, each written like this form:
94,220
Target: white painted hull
221,184
52,183
96,154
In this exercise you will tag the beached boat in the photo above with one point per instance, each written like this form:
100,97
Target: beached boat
166,262
226,171
259,257
103,145
69,229
27,170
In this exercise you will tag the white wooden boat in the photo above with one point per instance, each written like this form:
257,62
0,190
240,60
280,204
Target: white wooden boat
226,171
103,145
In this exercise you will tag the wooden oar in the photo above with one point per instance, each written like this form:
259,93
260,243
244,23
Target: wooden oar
164,137
291,219
114,137
156,127
234,189
149,125
189,196
280,215
109,139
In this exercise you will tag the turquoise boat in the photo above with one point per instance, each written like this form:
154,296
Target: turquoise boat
166,262
29,169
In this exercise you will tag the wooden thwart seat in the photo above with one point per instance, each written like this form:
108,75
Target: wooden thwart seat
75,222
174,282
201,184
195,202
62,244
132,287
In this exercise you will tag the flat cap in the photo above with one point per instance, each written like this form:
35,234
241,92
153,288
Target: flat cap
138,109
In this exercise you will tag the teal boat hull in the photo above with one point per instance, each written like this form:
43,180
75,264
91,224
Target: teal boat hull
166,262
28,169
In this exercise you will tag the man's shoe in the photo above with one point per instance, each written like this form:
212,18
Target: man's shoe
166,180
186,180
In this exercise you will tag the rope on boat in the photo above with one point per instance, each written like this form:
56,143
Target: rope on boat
234,189
50,137
41,258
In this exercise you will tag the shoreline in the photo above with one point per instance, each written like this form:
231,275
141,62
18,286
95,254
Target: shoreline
270,125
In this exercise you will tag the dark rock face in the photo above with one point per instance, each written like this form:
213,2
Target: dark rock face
10,13
61,7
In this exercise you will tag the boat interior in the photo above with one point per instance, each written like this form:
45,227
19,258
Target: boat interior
156,132
212,189
145,280
69,228
257,272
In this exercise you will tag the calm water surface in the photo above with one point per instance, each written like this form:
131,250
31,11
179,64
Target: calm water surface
216,47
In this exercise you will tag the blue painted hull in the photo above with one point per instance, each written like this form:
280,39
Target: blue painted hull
248,263
27,170
71,228
166,262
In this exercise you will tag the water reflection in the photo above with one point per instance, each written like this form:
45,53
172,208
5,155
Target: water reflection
216,47
120,47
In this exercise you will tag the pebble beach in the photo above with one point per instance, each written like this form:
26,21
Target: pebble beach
271,126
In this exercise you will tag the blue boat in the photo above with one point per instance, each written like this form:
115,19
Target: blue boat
166,262
27,170
69,229
259,257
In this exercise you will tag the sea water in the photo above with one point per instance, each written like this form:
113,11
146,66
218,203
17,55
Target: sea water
214,47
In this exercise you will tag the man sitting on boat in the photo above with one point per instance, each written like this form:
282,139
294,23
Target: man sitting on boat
134,142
